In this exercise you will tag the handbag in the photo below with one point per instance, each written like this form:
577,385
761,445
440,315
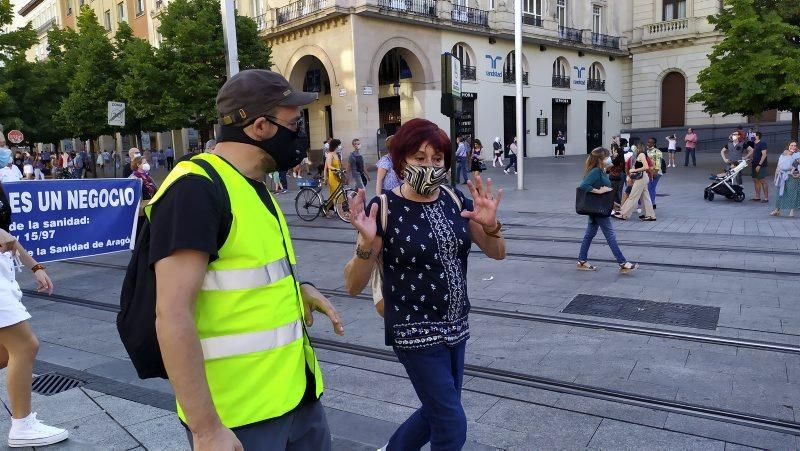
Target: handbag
591,204
483,166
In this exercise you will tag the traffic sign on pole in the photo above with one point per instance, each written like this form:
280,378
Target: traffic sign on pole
15,136
116,114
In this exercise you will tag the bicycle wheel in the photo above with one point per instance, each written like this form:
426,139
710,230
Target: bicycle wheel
308,204
342,204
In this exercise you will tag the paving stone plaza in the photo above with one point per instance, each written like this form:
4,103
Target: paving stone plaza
537,377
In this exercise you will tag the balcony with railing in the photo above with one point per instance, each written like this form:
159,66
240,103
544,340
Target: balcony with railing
509,76
530,19
261,22
668,30
469,73
299,9
595,84
41,29
416,7
470,16
604,40
570,34
560,81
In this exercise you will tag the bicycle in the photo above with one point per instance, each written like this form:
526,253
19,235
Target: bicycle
309,203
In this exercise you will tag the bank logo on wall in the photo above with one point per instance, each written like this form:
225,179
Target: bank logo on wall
579,78
494,62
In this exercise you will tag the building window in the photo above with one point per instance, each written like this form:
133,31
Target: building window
597,19
107,19
68,6
461,53
560,73
256,8
120,12
491,5
561,12
532,7
596,80
674,9
139,7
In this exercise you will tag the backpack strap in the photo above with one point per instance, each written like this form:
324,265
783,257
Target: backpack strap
453,195
217,180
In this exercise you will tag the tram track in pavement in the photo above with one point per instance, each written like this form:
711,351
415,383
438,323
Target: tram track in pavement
522,316
622,243
525,380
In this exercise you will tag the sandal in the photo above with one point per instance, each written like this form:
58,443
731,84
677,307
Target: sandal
584,266
627,267
649,219
764,201
775,212
755,199
618,216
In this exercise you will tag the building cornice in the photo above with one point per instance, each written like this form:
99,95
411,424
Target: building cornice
25,10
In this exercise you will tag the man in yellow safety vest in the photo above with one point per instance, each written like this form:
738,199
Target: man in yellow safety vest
230,311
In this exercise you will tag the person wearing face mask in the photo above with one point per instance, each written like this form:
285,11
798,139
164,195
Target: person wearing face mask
421,239
231,315
596,181
787,181
733,152
9,172
141,170
127,170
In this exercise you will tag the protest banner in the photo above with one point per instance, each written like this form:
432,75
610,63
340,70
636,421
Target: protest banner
62,219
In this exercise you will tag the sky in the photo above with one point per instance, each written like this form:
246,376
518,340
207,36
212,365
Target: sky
19,21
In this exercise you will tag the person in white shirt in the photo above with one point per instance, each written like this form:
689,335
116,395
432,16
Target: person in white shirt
672,141
9,172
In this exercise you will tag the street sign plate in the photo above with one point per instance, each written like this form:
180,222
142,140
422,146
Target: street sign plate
116,114
15,136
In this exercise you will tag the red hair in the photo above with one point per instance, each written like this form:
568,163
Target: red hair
411,136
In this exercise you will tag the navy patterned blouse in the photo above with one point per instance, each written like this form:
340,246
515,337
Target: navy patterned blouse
425,250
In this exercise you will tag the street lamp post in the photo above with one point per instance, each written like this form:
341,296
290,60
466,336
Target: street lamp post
229,34
518,81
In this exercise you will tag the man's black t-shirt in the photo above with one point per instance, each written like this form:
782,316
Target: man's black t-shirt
190,216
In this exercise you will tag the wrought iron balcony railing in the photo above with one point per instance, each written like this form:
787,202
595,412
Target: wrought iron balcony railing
261,22
604,40
560,81
297,10
469,73
509,76
470,16
570,34
595,84
416,7
530,19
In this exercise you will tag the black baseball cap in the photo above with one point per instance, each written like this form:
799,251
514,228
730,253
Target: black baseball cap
252,93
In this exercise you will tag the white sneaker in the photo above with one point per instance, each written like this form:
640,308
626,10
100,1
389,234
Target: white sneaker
505,170
639,210
515,172
31,432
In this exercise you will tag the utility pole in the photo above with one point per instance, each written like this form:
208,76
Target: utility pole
229,34
518,81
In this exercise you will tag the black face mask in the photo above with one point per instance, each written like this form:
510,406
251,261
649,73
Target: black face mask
286,147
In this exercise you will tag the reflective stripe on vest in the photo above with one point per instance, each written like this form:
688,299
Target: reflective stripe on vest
242,279
232,345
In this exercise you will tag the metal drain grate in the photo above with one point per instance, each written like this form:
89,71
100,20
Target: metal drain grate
52,383
682,315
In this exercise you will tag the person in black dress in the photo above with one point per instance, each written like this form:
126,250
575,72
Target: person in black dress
422,242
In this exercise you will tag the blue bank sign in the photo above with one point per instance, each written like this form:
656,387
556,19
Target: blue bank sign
62,219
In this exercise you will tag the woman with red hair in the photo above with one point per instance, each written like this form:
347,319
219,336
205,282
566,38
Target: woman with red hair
421,239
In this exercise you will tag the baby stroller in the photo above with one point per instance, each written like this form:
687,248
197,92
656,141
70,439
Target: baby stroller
724,184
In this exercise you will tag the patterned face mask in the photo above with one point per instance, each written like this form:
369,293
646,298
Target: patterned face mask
424,179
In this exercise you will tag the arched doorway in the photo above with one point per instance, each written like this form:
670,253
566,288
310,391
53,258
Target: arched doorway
398,73
309,74
673,100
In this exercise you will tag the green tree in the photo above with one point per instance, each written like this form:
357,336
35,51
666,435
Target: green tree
193,54
13,42
141,82
92,83
756,67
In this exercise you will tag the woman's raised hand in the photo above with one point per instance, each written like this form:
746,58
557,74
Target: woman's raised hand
364,222
485,202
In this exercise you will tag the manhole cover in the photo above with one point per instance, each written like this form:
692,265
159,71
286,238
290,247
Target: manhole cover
682,315
52,383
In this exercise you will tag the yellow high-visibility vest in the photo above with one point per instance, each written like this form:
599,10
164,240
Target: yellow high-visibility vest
249,314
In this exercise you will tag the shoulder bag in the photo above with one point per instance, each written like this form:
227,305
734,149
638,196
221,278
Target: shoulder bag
591,204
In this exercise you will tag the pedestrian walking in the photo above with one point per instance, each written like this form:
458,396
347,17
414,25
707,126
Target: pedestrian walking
461,160
760,169
561,142
596,181
787,181
38,167
638,179
425,279
672,147
497,146
332,163
690,143
245,377
170,154
18,343
476,161
387,178
656,171
733,153
616,174
101,163
512,156
355,165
